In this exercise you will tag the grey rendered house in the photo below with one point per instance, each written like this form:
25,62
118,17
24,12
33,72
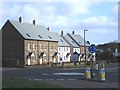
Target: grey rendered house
76,43
27,44
74,48
80,42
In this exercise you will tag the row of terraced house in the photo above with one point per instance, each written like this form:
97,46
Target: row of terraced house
31,44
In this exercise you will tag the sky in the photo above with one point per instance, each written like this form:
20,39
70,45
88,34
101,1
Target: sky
99,17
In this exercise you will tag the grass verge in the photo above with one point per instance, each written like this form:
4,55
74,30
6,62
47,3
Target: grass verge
23,83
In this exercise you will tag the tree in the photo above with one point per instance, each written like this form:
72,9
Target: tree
105,56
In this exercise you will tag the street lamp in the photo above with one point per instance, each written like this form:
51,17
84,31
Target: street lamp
85,46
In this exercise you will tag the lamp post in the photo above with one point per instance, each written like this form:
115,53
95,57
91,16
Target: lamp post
85,46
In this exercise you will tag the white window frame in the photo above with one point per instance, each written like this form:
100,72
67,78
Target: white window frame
29,47
34,46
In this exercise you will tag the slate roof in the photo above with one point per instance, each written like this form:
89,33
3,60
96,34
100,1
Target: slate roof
72,42
30,31
79,39
61,41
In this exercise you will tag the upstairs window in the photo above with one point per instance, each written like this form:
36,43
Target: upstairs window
34,46
28,35
67,49
39,36
45,47
29,47
41,47
49,37
73,42
61,40
51,47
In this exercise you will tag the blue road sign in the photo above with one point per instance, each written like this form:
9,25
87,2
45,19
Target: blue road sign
92,48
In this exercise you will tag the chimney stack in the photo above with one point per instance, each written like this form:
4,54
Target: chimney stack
20,19
62,33
73,32
34,21
48,29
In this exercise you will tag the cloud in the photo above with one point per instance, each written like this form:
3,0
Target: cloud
77,8
115,9
63,16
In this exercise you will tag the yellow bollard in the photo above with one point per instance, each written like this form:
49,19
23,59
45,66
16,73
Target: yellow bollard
102,74
88,73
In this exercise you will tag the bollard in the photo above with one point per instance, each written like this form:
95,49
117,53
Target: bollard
87,71
102,74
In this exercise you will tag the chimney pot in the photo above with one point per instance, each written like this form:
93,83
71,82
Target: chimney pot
20,19
34,21
62,33
48,29
73,32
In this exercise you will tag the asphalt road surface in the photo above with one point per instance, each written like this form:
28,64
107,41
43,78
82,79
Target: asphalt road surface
64,76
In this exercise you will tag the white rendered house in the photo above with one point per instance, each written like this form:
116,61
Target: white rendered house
63,48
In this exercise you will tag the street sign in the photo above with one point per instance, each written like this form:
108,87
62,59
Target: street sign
92,48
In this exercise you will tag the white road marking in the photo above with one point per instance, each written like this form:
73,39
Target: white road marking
44,74
68,73
60,79
71,68
71,79
112,69
49,79
37,79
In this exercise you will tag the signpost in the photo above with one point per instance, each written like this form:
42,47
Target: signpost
92,49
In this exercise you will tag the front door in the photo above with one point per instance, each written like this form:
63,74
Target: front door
54,60
40,60
28,61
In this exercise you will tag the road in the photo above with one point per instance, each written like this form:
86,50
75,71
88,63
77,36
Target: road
69,76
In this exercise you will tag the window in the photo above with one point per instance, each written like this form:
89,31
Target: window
73,42
39,36
79,42
64,49
59,48
34,46
29,47
41,47
50,47
54,47
61,40
45,47
64,57
49,37
50,58
67,49
28,35
45,58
